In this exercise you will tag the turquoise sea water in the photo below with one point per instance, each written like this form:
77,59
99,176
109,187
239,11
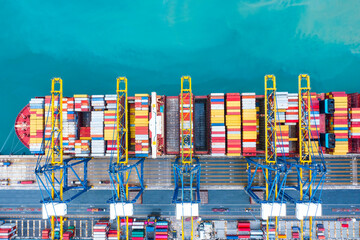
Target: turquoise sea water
224,45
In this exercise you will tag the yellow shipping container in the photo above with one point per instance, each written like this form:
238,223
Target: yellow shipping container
234,136
80,95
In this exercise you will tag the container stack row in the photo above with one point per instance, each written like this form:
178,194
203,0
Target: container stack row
110,124
233,124
100,230
131,107
69,233
249,134
138,230
282,143
320,231
354,122
217,121
161,230
97,134
8,231
98,102
82,148
282,133
186,123
45,233
141,125
338,123
282,104
295,232
172,123
243,230
314,122
36,125
315,116
82,103
48,127
70,128
110,131
270,231
292,112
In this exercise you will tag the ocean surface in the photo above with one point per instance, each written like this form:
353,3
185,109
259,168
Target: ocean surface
226,46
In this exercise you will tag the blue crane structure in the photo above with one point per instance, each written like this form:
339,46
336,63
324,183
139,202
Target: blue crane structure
52,169
273,168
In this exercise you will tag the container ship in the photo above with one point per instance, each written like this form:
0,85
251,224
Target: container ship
230,124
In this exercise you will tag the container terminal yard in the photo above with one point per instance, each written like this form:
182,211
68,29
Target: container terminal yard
235,165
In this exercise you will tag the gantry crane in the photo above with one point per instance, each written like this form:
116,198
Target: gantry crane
52,172
273,168
311,169
121,206
186,168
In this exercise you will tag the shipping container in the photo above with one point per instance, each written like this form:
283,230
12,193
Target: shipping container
172,123
201,125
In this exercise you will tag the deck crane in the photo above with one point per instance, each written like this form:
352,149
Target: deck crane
311,169
120,168
52,169
273,168
186,167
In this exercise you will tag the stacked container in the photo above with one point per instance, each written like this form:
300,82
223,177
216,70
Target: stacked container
217,121
48,128
243,229
295,232
172,123
233,124
354,122
110,124
97,133
69,233
270,231
161,230
45,233
82,148
187,124
82,103
69,125
110,131
320,231
282,104
282,145
131,106
36,125
248,124
138,231
112,235
282,133
292,112
338,123
141,125
97,102
110,100
100,230
8,231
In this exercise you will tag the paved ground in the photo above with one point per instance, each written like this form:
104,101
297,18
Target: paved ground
158,173
20,202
